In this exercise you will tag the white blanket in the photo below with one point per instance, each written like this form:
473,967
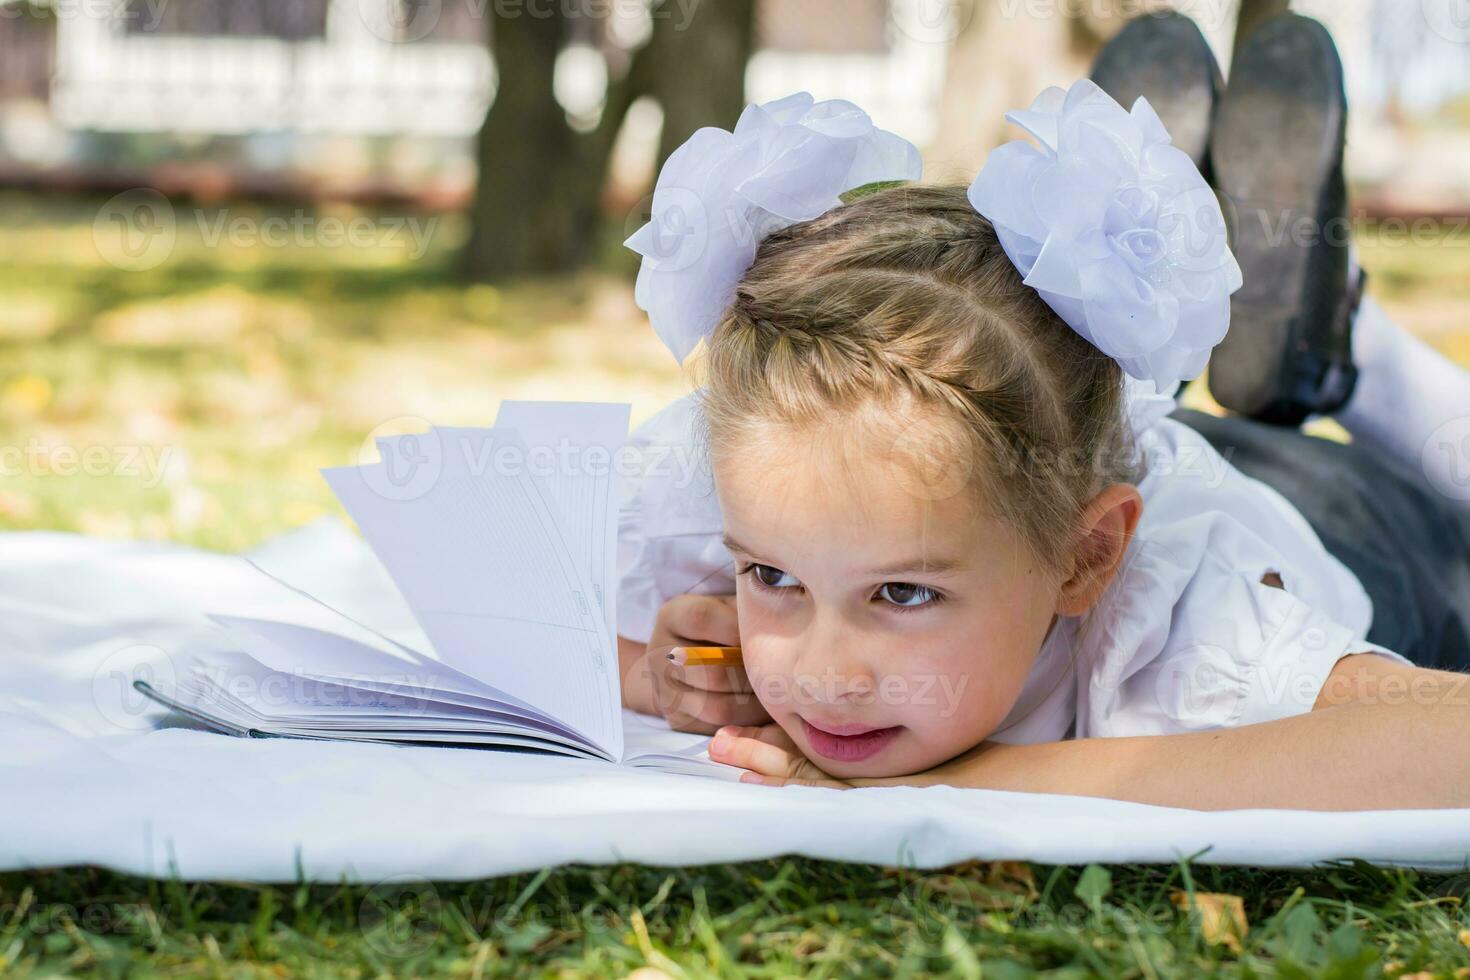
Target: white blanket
90,778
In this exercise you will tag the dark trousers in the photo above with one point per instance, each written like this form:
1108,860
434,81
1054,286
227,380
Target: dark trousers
1409,546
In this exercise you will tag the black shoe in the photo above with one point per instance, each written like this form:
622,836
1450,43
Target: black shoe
1277,160
1166,59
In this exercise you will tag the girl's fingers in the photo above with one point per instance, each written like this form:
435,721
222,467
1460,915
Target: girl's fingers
676,689
770,755
749,731
726,680
768,732
776,735
753,754
711,619
750,713
702,711
752,777
724,710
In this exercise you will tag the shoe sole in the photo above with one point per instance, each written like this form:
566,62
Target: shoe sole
1165,59
1276,151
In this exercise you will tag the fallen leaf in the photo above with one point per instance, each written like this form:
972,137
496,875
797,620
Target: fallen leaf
1221,917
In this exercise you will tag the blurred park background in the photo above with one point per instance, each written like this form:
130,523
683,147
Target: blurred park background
238,237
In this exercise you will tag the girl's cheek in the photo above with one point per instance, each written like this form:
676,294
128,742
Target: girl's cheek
768,678
766,653
948,698
773,672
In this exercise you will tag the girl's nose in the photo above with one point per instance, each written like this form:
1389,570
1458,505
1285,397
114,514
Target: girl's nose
832,667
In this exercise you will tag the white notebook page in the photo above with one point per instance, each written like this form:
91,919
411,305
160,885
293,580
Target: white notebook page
582,441
480,558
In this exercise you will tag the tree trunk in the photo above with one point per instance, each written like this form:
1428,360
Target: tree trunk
531,211
536,205
698,70
1254,13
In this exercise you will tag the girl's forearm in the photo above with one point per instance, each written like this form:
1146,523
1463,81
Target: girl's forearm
1349,757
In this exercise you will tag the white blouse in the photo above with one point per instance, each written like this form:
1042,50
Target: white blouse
1187,636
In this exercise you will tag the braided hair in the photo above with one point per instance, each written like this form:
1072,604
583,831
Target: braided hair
903,301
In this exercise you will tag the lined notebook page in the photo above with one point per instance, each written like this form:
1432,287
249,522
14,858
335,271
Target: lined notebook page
479,556
581,441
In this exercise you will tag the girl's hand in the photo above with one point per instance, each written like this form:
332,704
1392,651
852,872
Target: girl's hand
772,758
702,698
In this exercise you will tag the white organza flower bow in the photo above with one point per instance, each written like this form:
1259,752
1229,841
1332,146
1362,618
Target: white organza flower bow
721,193
1116,229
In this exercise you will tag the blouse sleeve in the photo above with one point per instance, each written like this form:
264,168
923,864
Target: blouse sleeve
1189,636
1229,650
670,531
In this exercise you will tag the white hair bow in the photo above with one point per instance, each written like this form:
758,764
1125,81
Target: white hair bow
721,193
1116,229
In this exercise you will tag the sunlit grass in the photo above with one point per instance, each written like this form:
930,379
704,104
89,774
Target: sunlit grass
246,370
762,918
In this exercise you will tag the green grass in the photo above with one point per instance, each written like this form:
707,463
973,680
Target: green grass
245,369
770,918
209,390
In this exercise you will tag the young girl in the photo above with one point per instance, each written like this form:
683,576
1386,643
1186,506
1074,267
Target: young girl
933,493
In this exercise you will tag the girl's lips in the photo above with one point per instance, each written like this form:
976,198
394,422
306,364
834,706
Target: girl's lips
854,744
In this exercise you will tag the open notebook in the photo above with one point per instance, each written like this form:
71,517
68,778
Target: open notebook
502,541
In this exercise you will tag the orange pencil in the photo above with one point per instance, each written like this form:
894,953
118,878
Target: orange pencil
705,656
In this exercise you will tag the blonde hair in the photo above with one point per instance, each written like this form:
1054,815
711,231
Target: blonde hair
904,297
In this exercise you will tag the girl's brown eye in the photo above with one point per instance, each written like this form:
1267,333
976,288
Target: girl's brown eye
906,593
773,577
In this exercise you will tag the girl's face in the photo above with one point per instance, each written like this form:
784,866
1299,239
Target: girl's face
886,622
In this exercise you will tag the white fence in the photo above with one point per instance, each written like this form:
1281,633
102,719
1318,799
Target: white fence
358,79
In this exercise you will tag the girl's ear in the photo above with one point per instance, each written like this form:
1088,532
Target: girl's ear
1103,533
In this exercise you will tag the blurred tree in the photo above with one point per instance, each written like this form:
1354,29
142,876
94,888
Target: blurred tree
535,208
699,75
1001,56
27,51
